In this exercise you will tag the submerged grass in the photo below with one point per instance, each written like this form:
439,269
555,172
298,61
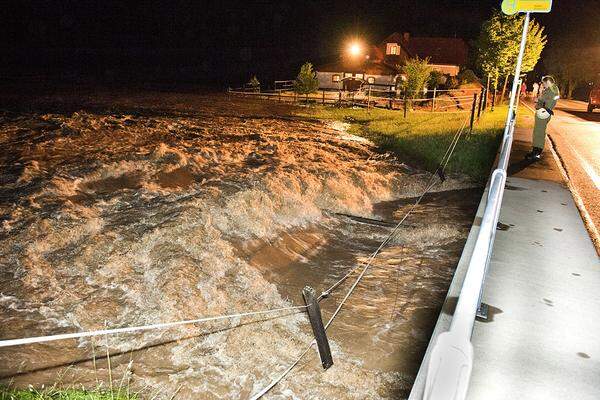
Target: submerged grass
422,138
54,393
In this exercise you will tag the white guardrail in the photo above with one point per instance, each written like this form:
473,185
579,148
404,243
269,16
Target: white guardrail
451,360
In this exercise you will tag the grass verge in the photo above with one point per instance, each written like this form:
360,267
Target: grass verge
54,393
422,138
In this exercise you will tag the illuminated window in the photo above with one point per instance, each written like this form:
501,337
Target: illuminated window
347,74
359,76
335,78
371,80
392,49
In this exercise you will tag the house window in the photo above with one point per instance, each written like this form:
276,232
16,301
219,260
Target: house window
371,80
359,76
392,49
335,78
347,74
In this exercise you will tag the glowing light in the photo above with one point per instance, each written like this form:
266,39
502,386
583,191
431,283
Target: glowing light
355,49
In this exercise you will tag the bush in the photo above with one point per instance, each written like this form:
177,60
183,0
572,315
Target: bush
468,76
254,83
306,82
436,79
452,82
417,75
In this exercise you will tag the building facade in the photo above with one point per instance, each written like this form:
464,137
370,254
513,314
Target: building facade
380,65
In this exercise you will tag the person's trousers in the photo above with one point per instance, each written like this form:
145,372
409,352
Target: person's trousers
539,132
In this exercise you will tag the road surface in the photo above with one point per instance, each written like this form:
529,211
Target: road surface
575,134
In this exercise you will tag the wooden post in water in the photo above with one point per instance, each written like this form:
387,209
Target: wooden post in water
316,322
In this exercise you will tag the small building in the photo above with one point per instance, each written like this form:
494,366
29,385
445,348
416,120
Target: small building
380,65
348,76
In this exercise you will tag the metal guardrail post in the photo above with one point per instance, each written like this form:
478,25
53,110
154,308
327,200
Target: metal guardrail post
316,322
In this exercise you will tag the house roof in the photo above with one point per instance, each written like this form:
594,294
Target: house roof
440,50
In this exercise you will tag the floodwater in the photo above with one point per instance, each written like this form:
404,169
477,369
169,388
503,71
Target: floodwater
120,209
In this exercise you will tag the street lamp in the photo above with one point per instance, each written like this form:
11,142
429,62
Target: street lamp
355,49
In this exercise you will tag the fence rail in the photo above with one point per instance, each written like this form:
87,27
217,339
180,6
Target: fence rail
369,99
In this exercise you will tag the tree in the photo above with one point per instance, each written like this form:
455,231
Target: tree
570,65
498,46
417,73
306,82
254,83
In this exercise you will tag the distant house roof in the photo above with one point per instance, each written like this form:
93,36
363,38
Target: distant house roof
440,50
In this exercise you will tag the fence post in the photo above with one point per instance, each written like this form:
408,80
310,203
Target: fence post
405,107
316,322
340,98
369,98
473,112
480,104
279,95
433,100
485,99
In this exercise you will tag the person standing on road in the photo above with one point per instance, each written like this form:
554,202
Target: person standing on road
544,110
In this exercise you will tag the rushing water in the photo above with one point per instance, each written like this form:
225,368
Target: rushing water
121,210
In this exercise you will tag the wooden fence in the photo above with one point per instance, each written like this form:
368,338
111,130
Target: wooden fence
473,100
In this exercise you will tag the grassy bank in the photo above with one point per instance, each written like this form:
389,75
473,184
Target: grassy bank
422,138
53,393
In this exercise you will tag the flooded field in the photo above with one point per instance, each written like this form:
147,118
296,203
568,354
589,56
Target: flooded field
120,209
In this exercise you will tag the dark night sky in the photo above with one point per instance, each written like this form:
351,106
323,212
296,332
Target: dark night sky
228,40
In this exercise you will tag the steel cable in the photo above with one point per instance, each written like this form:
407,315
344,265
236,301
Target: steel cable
431,183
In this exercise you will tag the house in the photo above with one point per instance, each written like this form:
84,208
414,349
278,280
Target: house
379,64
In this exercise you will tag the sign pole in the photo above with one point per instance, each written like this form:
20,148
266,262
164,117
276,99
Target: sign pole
513,95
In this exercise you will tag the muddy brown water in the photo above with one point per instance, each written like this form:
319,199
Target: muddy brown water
129,209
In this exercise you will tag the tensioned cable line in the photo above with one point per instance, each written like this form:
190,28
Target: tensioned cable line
428,187
367,264
40,339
